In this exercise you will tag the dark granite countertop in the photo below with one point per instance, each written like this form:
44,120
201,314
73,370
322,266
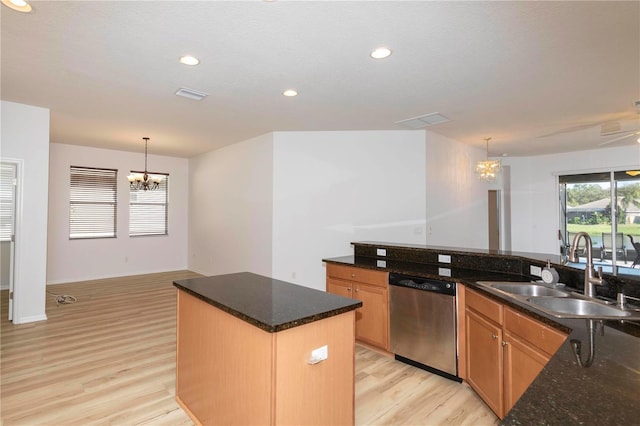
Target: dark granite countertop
564,393
269,304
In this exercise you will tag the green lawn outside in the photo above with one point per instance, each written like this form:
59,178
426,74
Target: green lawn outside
598,230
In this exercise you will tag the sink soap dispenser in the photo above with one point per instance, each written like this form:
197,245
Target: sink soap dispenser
549,274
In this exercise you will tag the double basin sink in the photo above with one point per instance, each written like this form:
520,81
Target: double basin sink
558,302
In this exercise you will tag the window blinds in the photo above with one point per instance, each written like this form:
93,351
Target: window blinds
148,210
7,200
92,203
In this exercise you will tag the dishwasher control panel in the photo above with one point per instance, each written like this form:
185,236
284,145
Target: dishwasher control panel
427,284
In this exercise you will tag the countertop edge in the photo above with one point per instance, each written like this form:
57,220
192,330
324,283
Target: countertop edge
262,325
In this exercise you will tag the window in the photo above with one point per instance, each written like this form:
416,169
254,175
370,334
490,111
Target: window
7,200
92,203
148,210
586,206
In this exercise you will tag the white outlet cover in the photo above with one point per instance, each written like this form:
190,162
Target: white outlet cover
319,354
535,271
444,272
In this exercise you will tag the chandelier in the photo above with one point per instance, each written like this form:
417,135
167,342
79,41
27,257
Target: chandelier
144,181
488,169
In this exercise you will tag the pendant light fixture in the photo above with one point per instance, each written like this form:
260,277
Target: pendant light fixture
144,181
488,170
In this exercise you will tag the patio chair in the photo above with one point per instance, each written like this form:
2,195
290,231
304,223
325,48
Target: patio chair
607,246
636,246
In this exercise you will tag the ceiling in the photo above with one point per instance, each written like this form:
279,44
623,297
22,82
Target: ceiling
537,77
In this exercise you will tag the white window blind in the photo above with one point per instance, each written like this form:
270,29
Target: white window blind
93,203
148,210
7,200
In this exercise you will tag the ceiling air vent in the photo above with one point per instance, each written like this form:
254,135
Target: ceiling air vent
191,94
423,121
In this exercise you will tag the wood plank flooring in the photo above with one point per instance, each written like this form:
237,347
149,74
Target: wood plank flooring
109,358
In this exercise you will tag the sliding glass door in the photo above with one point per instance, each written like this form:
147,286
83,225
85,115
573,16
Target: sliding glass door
607,207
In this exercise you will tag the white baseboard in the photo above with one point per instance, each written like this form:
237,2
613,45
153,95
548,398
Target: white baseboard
102,277
32,318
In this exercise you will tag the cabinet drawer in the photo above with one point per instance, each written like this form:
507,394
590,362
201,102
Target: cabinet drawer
540,335
351,273
483,305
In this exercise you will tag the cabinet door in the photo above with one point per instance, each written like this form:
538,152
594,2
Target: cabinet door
372,323
522,364
341,288
484,360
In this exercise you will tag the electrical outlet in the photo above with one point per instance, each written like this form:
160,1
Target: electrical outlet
318,355
444,258
536,271
444,272
381,252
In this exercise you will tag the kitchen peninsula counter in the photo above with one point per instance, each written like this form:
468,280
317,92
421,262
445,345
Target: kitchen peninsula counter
244,352
564,393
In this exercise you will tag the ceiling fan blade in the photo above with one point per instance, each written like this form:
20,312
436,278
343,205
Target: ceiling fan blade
619,138
569,130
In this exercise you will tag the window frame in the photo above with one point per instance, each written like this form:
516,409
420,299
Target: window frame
8,183
111,180
163,188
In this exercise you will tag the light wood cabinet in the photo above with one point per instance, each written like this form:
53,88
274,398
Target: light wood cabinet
372,288
505,350
484,360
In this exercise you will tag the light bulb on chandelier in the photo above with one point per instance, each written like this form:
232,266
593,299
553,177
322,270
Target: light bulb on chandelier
488,170
144,181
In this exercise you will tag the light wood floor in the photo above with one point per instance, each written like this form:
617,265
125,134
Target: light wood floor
110,359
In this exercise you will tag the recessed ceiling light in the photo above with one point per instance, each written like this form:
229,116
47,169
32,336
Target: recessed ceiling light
381,53
290,93
189,60
19,5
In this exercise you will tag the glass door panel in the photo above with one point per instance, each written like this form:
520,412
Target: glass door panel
614,228
628,223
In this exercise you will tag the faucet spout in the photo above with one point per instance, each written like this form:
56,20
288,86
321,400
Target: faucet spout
590,280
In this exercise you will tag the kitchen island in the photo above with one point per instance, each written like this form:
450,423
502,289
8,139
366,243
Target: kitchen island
244,352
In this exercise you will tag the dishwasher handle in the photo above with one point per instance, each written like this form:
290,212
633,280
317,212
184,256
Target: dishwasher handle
425,284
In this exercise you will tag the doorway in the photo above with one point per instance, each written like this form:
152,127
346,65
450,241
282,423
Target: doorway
606,206
8,197
494,219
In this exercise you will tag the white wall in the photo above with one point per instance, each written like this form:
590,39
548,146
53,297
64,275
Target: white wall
230,212
79,260
534,193
457,209
25,136
332,188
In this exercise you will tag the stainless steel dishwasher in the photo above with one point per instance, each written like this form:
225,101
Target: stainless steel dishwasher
423,323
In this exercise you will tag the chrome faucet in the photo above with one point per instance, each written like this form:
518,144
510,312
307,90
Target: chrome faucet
590,281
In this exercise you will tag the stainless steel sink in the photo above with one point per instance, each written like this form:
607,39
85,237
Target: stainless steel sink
556,302
524,288
568,307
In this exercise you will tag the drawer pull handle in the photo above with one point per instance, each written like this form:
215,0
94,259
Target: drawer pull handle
504,343
494,336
